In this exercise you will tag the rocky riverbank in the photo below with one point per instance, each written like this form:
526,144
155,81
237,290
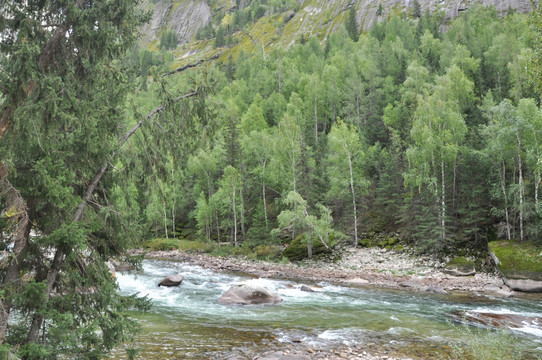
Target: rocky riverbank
357,267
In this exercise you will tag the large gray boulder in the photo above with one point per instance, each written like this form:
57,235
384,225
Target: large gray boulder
171,280
524,285
249,294
520,264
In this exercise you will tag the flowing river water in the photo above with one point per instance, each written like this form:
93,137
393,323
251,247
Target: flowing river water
186,322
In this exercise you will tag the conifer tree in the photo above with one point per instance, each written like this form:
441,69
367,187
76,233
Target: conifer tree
352,24
62,116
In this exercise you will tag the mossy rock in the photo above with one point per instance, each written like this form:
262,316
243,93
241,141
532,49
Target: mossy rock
518,260
398,248
460,266
365,242
297,250
392,241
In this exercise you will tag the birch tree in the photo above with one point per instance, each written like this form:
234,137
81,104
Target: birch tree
345,157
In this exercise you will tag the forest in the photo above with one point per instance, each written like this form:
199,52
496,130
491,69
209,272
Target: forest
421,129
418,128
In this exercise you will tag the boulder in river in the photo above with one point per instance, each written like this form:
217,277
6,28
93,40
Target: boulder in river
306,288
171,280
249,294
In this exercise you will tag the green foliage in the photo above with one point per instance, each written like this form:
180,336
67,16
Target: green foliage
168,40
70,94
315,229
352,24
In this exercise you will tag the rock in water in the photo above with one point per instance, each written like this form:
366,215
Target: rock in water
172,280
249,295
305,288
498,320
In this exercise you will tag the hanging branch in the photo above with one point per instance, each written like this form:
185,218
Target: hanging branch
58,260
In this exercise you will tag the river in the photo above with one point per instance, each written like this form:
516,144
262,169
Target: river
186,322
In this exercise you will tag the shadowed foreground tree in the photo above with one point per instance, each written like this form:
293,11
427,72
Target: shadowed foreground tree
62,119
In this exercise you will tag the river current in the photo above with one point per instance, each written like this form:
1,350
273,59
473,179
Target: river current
187,321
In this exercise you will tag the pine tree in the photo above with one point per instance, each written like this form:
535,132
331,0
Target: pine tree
352,24
66,87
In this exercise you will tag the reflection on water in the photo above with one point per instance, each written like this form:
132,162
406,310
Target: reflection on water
187,321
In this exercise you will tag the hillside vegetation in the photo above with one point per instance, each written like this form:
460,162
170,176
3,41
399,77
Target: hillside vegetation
408,130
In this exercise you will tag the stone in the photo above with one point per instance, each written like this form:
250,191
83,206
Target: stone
519,264
498,320
249,294
357,281
524,285
122,265
185,19
460,266
172,280
411,283
306,288
436,290
111,269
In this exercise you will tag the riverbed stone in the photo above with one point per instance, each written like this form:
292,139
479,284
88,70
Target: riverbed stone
249,294
305,288
498,320
436,290
411,283
357,281
172,280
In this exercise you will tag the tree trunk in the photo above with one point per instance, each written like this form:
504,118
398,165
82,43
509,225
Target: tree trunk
353,192
503,187
265,207
315,121
165,220
234,219
443,201
521,236
309,249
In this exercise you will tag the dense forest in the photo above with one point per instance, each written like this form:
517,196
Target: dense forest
422,129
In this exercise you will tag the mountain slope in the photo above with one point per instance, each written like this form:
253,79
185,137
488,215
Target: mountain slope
282,28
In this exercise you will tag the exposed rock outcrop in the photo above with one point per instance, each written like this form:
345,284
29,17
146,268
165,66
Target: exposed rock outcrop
172,280
249,294
184,17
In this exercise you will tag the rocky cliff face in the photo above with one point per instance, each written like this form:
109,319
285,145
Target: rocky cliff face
311,18
184,17
366,9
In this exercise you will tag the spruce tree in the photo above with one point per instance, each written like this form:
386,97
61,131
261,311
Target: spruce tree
352,24
62,115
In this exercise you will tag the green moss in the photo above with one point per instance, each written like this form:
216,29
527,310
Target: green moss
399,248
461,261
518,260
